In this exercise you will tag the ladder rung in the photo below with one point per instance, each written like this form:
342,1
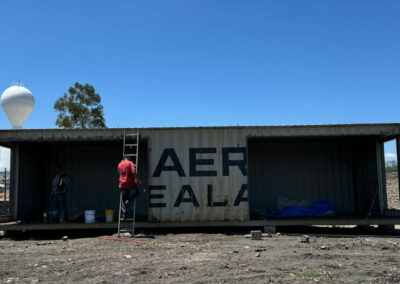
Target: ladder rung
130,145
132,134
131,155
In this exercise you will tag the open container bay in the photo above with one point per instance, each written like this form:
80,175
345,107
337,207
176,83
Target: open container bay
206,176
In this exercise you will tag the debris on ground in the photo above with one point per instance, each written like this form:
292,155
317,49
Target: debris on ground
255,235
204,257
263,235
392,243
259,249
305,239
123,240
143,236
44,243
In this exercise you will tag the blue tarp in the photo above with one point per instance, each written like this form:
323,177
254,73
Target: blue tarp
320,208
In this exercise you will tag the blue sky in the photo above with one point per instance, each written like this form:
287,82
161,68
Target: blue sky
200,63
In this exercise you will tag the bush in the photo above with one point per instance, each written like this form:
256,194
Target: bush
391,166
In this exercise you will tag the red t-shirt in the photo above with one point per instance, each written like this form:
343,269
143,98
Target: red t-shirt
126,175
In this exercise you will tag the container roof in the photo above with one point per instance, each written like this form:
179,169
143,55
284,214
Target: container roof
388,130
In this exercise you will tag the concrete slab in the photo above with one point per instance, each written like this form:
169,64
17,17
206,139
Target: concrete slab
312,221
18,226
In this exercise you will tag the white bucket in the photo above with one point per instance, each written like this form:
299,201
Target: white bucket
90,216
109,215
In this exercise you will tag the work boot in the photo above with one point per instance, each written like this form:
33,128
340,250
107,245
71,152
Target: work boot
123,210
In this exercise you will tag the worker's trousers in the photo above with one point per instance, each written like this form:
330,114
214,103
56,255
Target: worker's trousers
128,197
61,206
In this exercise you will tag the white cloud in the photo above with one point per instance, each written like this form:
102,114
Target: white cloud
4,158
390,156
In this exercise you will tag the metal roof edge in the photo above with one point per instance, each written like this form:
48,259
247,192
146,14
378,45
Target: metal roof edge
204,127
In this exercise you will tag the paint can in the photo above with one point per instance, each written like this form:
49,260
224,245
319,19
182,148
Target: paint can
90,216
109,215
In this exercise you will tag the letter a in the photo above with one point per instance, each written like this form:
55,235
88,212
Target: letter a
168,152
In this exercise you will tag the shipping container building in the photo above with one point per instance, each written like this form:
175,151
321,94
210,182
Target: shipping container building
209,175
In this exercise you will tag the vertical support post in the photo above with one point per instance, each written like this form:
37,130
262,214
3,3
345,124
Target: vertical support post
134,216
123,146
5,184
247,177
137,152
398,160
380,159
15,177
5,191
119,214
136,167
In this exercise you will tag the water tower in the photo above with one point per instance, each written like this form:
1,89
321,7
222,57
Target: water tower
17,102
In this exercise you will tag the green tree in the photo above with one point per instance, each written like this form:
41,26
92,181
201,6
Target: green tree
80,108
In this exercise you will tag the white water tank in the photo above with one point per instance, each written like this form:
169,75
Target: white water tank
17,102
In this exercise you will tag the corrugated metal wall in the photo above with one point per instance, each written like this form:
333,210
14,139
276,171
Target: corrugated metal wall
201,174
300,170
207,191
314,170
342,171
365,176
30,182
92,169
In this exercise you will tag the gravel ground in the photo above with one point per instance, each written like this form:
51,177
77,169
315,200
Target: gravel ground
206,258
392,186
203,258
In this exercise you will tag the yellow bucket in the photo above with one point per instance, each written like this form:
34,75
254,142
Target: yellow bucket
109,215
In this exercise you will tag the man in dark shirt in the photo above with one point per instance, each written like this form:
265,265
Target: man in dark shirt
60,187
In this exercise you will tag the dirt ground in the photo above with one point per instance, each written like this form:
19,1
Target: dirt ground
392,187
203,258
207,258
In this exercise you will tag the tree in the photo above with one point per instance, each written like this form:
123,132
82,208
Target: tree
80,108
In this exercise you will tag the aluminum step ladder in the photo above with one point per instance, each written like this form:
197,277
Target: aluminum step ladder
130,148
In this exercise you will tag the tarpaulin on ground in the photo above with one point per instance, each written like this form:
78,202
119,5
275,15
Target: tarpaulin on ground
320,208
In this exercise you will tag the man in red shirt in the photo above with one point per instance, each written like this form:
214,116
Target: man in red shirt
127,182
